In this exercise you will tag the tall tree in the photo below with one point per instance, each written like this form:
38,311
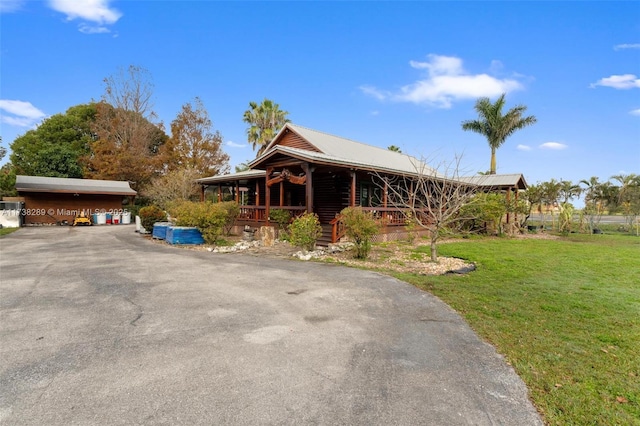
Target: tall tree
265,121
495,126
128,136
56,146
193,144
568,191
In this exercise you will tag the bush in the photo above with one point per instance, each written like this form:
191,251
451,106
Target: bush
209,218
360,226
305,230
232,211
282,218
150,215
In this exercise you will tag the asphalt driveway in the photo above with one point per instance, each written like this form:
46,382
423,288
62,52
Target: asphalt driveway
100,326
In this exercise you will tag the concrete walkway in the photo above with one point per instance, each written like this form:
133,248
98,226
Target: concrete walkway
100,326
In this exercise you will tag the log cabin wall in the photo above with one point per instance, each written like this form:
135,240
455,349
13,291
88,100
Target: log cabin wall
331,194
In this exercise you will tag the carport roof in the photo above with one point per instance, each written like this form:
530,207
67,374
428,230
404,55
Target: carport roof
72,186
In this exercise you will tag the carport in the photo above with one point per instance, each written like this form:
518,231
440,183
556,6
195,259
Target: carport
49,200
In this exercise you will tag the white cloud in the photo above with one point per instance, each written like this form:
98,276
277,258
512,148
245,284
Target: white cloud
626,46
553,145
21,109
635,112
22,114
446,82
8,6
523,147
97,11
624,81
236,145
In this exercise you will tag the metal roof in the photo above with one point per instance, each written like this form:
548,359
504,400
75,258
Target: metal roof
72,186
342,151
247,174
335,150
497,181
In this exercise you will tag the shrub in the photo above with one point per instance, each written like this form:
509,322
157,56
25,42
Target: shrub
305,230
150,215
232,211
282,218
209,218
360,226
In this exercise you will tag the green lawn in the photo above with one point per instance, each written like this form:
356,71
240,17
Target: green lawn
565,313
6,231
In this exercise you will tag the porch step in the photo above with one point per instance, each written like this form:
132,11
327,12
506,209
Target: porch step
325,238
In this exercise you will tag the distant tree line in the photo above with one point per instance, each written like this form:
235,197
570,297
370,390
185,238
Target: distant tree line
120,138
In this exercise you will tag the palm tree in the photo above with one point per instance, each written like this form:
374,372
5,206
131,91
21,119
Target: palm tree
568,190
495,126
394,148
265,121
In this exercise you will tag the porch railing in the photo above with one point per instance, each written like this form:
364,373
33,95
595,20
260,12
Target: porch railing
258,213
388,216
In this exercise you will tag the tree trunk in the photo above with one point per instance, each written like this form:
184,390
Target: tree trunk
434,249
492,170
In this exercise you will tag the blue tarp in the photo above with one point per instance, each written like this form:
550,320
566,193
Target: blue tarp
160,230
183,235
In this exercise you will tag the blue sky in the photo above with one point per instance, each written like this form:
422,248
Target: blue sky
383,73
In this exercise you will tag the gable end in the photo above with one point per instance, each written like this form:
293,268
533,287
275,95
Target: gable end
293,140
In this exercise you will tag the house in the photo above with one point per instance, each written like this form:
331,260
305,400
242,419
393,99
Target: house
304,170
49,200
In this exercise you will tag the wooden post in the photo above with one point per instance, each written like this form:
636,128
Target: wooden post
308,170
257,193
202,189
352,200
267,190
237,192
281,193
219,193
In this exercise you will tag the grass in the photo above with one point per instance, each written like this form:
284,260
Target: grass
7,231
565,314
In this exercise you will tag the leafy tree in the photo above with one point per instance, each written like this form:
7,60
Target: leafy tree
193,145
550,195
495,126
176,185
3,150
394,148
533,196
8,181
242,167
629,196
594,201
56,147
128,138
265,121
